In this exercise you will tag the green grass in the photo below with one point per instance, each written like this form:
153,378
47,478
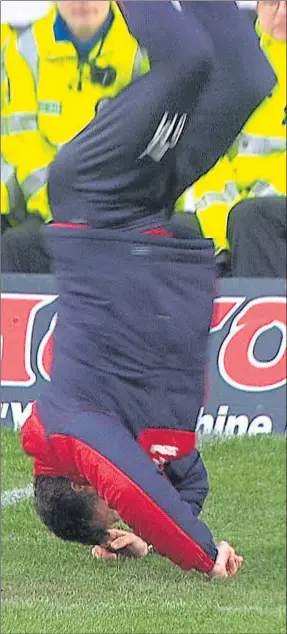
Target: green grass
54,588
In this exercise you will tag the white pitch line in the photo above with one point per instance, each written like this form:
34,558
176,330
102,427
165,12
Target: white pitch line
13,496
104,606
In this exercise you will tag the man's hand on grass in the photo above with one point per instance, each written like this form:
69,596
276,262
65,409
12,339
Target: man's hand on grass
227,564
121,543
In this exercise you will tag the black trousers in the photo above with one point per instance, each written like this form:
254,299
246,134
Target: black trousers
257,236
23,250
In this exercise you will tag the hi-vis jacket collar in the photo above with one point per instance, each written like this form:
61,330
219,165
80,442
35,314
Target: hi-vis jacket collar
51,48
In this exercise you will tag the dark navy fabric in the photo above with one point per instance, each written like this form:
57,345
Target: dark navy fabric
131,339
240,79
99,177
133,322
189,477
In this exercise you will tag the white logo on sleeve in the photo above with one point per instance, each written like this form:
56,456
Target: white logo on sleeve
176,5
165,450
166,137
163,453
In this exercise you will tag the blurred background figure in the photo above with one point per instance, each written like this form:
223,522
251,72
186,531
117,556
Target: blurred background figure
21,12
56,71
241,202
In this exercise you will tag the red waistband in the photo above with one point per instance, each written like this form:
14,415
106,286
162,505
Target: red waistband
156,231
68,225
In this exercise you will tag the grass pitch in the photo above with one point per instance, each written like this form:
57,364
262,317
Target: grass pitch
53,588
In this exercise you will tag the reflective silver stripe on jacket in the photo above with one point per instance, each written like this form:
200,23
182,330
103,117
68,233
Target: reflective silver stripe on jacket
3,69
254,145
28,48
189,205
8,177
263,189
4,78
18,122
210,198
35,181
138,61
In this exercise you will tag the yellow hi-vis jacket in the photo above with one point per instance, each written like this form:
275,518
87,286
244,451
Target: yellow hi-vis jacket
11,197
255,166
5,203
6,30
51,97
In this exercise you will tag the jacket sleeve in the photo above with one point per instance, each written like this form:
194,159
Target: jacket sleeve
165,33
189,477
8,186
240,80
112,461
12,203
23,145
211,198
5,200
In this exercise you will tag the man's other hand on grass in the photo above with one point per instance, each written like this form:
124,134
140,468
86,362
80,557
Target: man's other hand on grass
227,564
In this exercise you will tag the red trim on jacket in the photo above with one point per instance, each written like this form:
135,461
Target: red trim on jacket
167,445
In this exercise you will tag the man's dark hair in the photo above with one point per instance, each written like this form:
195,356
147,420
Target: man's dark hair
68,514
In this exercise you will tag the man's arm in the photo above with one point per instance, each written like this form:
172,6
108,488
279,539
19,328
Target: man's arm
110,459
189,477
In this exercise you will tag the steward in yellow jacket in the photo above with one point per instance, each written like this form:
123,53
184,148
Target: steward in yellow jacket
55,84
11,197
255,166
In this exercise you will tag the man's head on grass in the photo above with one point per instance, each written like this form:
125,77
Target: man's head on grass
73,512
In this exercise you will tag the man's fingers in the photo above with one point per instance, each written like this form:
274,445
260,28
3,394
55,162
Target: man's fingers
121,542
114,534
234,564
99,552
232,567
227,563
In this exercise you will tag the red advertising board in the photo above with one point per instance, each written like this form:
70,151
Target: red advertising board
247,373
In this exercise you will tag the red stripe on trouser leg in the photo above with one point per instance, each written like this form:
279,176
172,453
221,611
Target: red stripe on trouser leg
138,510
158,232
68,225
